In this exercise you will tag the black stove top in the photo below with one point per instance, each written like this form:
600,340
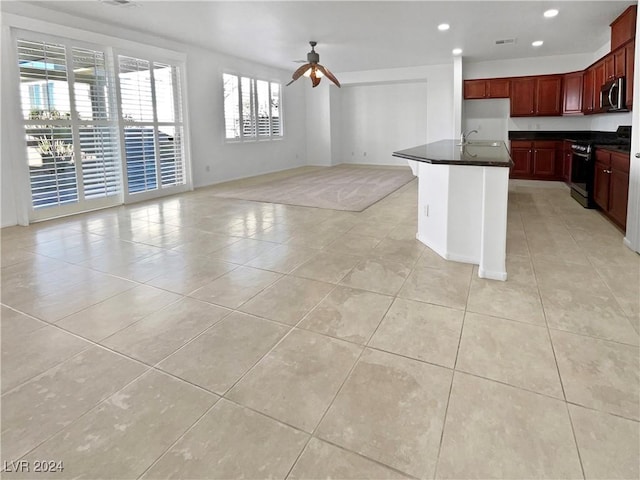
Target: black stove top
621,141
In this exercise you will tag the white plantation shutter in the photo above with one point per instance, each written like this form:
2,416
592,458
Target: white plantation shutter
101,160
231,106
248,109
151,108
51,170
72,142
91,117
97,124
44,93
275,109
136,98
251,108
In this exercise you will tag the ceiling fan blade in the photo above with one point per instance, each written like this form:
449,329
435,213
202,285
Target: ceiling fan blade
299,72
328,74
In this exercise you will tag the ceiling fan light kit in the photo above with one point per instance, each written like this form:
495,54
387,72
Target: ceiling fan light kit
313,69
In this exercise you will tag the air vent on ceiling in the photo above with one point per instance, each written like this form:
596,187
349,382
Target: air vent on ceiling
506,41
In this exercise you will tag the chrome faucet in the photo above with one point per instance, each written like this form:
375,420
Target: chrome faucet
464,135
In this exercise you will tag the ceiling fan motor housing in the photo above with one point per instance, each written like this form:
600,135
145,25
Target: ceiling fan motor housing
313,57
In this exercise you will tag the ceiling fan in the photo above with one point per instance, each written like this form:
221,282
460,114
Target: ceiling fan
313,69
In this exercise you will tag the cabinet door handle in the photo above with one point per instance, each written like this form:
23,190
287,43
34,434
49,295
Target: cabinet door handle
637,155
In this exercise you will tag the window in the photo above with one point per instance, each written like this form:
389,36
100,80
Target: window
251,108
153,133
69,126
99,127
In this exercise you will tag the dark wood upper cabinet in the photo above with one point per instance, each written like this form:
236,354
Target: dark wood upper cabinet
498,88
487,88
523,95
623,28
630,51
598,82
619,61
609,67
549,95
536,96
475,89
587,91
572,104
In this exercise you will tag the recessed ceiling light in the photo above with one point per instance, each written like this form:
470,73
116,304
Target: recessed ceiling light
456,51
444,27
537,43
551,13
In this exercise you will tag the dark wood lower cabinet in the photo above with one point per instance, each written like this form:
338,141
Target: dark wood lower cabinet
544,160
611,185
521,157
601,185
619,197
567,156
535,160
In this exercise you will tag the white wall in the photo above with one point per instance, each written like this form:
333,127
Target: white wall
212,159
527,66
381,111
380,119
318,122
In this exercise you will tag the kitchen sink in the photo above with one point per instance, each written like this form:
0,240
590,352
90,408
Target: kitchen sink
480,143
485,143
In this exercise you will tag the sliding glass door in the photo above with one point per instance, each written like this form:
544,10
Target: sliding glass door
100,130
70,128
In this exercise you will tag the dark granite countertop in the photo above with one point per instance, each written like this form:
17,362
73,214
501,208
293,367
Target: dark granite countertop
483,153
615,148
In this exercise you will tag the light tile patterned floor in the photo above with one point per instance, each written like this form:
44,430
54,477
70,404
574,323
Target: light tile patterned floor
202,337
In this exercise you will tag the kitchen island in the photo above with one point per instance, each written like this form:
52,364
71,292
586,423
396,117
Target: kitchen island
462,201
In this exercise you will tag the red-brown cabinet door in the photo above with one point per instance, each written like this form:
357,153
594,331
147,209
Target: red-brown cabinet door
523,91
521,162
588,91
475,89
544,160
549,95
630,51
572,93
601,185
618,196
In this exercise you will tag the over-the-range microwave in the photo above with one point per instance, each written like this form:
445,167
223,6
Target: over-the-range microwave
612,96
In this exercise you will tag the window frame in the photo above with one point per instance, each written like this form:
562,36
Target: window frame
253,106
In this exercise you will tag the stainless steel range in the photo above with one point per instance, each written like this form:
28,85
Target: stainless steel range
583,163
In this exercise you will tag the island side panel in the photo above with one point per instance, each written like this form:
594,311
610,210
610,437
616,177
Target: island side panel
433,197
494,223
465,214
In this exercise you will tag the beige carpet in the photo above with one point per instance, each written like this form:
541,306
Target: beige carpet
351,188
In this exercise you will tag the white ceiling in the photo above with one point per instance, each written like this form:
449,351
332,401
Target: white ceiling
364,35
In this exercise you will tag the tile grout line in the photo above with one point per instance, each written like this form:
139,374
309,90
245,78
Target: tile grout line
453,374
180,437
330,404
555,358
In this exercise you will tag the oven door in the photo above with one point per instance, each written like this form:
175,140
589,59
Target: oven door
582,170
